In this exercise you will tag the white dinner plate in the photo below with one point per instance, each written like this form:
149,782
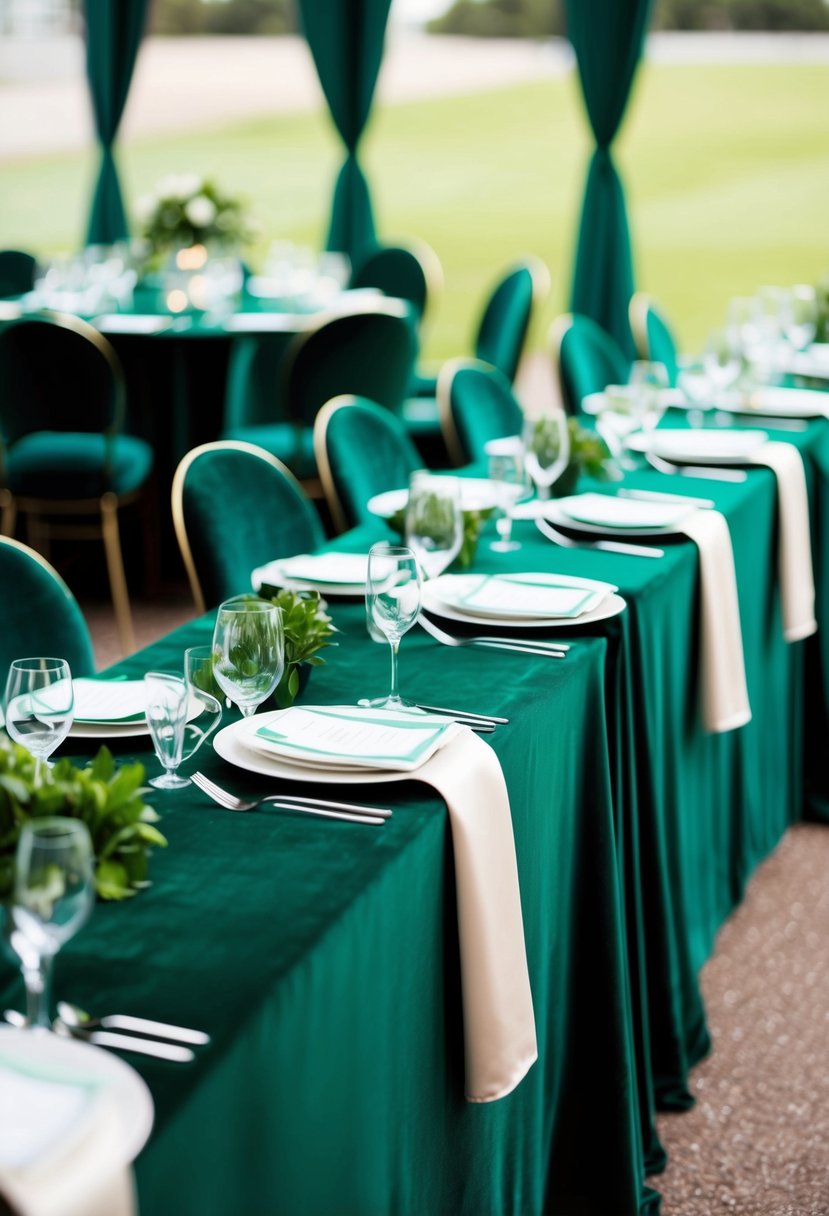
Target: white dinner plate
54,1056
477,494
559,517
125,730
132,323
593,403
612,514
230,744
699,446
611,606
331,574
453,590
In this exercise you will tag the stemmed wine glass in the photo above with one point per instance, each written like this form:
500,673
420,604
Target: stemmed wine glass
53,896
248,650
392,605
799,316
546,449
506,472
434,521
722,360
693,382
40,706
617,417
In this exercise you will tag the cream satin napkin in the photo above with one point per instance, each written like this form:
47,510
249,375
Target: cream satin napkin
85,1176
499,1024
723,689
794,558
799,402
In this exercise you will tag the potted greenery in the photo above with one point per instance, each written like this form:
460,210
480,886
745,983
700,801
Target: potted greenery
109,799
308,629
588,454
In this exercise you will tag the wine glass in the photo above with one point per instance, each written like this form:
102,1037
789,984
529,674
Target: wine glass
506,472
617,417
722,360
203,687
693,382
39,706
434,521
52,897
392,604
248,650
799,316
546,449
650,381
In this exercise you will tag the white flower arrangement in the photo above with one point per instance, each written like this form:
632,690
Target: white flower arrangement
185,210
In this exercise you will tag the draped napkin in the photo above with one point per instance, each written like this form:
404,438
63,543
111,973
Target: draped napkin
499,1024
794,558
71,1176
723,688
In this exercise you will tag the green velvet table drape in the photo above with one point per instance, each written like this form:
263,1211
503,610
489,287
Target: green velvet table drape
113,36
346,41
607,36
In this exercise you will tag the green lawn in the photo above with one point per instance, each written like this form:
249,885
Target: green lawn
727,172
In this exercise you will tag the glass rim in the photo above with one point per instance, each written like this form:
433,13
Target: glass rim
383,548
240,604
28,664
58,828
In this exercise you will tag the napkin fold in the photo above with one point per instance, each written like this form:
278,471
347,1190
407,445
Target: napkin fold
723,689
499,1024
84,1177
794,557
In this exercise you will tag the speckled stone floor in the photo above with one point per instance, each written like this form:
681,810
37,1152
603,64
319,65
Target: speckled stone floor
757,1142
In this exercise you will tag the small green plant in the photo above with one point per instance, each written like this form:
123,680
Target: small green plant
109,799
308,629
589,452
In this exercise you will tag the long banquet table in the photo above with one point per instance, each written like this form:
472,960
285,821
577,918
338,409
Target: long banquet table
322,958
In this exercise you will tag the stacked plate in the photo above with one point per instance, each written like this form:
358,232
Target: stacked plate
114,709
477,494
603,514
692,446
532,600
335,743
331,574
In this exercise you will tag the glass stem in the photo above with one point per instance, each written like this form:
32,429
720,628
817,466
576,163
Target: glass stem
394,647
38,981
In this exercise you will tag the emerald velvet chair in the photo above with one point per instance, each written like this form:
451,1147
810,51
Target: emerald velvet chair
585,359
476,403
369,352
236,507
362,449
501,331
17,272
64,462
651,333
38,613
409,271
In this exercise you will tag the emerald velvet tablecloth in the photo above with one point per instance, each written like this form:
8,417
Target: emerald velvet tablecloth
323,960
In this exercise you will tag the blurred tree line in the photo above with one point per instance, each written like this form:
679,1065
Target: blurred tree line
545,18
223,17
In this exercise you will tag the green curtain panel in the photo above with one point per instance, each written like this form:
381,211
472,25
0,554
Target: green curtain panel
607,36
346,41
113,36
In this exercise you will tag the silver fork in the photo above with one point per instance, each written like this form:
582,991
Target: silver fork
351,812
550,650
705,472
605,546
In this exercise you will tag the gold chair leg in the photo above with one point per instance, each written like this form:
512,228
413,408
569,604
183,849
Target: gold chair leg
115,568
8,513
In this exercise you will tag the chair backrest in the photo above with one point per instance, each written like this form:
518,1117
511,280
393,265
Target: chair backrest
409,271
476,403
39,615
369,353
236,507
361,450
17,272
585,359
505,321
651,333
254,380
58,374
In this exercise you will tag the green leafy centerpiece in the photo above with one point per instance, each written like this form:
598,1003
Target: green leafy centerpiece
189,217
589,454
107,798
308,629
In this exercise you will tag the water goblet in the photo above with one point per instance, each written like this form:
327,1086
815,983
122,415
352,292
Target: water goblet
248,650
546,449
166,710
202,687
650,380
52,898
392,605
39,706
434,521
722,361
506,472
693,382
799,316
617,417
